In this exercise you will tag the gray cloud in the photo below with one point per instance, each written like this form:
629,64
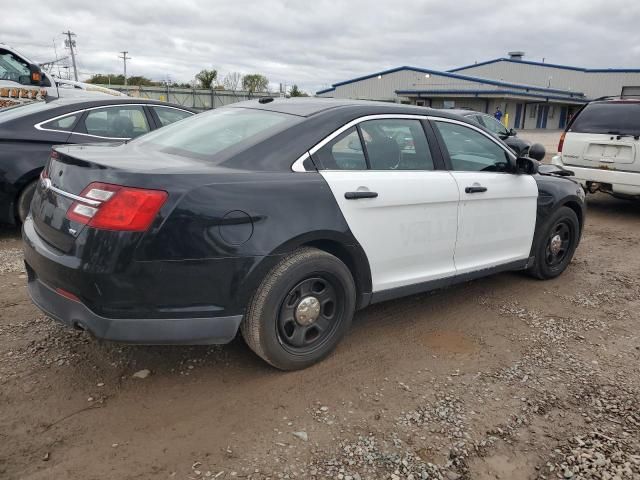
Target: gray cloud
318,43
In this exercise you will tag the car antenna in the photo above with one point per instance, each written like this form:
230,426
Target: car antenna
266,100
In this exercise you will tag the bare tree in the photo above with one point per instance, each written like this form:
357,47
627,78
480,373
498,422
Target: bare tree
232,81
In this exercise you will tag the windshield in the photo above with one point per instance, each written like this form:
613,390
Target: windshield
494,125
206,134
618,118
12,67
17,111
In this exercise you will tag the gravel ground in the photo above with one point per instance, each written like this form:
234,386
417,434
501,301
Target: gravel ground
505,377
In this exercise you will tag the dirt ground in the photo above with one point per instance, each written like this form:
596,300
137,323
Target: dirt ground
506,377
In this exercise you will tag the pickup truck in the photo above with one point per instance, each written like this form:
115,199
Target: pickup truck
23,81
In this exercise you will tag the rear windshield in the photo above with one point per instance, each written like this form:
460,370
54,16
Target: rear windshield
206,134
612,118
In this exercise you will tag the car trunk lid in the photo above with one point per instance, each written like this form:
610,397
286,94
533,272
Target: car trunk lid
71,169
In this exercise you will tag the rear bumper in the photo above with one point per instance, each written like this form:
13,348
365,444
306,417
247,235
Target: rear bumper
144,303
191,331
626,183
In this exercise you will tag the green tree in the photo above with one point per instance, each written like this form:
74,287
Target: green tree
296,92
112,79
255,83
206,78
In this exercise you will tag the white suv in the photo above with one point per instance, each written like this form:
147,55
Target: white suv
601,145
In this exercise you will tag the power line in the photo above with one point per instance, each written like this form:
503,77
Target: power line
71,43
124,59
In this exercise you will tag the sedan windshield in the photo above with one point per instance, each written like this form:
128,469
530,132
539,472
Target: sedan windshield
206,134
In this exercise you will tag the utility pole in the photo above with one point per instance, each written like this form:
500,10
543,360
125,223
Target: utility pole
124,59
71,43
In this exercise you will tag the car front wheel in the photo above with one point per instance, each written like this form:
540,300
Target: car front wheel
301,310
555,244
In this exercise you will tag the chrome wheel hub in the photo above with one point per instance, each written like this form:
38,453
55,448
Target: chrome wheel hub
555,244
307,311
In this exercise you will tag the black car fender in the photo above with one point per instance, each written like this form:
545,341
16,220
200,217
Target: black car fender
553,193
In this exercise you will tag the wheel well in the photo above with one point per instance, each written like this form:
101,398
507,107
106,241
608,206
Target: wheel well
578,211
358,267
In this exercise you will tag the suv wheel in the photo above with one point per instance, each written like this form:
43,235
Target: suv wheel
301,311
555,244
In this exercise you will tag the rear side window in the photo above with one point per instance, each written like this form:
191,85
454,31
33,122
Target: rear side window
608,118
396,145
343,152
169,115
65,123
116,122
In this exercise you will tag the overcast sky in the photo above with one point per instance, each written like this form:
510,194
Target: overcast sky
319,42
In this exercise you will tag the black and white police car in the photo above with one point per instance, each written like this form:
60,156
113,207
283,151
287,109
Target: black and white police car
282,217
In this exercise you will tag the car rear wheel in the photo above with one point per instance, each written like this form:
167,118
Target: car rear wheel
24,201
555,244
301,310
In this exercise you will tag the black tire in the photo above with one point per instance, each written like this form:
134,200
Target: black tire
551,262
272,329
24,201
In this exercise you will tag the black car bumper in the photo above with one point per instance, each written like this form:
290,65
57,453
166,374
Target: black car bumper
150,303
160,331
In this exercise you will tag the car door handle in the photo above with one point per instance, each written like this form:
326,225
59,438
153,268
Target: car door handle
360,194
475,189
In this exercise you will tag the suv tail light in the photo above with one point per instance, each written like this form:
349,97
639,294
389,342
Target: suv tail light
114,207
561,142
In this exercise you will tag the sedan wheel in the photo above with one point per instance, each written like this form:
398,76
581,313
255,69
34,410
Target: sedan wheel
301,310
555,244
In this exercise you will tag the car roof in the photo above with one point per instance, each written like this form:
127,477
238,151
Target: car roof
307,107
463,112
94,100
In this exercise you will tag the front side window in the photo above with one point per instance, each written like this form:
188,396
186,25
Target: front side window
14,68
127,121
343,152
471,151
64,123
169,115
396,145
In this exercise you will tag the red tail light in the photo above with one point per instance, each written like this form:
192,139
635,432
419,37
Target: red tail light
114,207
561,142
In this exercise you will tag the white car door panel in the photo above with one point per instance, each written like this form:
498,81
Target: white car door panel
409,230
495,226
497,213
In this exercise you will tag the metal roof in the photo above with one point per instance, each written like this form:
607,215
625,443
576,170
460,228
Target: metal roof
452,75
550,65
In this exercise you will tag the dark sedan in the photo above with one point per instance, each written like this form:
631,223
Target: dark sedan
280,218
507,135
27,133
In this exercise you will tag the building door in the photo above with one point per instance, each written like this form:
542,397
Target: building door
563,117
516,122
543,113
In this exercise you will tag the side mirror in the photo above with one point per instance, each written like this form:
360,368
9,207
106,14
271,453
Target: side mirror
35,74
527,165
537,152
512,132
